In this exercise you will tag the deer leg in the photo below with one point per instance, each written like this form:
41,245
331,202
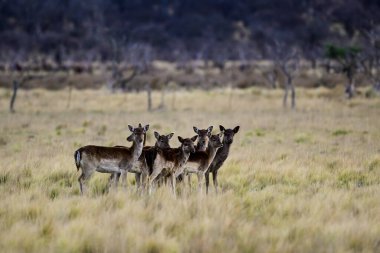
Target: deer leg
189,181
80,179
200,177
161,181
207,177
215,180
115,179
110,180
123,178
152,178
173,180
138,180
144,177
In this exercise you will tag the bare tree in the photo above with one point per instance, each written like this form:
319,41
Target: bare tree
271,76
140,57
348,59
286,59
370,58
14,95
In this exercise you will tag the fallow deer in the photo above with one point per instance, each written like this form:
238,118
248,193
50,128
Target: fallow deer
202,142
144,165
172,160
200,161
203,137
221,155
110,159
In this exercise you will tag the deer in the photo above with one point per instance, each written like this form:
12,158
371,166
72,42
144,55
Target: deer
221,156
171,160
203,139
144,165
110,159
200,161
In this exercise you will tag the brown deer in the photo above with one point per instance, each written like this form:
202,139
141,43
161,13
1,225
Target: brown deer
172,160
203,138
221,156
144,165
200,161
110,159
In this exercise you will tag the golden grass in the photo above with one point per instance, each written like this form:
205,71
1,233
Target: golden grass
296,181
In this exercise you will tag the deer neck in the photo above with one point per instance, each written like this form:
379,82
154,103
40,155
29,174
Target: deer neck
211,152
200,147
162,147
136,150
223,151
183,157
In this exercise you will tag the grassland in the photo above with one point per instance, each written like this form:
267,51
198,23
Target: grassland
296,181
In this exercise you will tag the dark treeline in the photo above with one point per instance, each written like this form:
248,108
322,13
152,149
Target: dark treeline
179,30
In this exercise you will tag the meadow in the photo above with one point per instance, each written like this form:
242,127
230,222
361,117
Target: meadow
304,180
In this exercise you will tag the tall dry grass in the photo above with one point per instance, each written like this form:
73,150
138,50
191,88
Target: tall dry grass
296,181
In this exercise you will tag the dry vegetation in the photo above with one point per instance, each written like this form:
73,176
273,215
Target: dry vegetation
296,181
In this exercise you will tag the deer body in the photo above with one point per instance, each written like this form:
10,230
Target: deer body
221,156
144,164
109,159
172,160
200,161
202,143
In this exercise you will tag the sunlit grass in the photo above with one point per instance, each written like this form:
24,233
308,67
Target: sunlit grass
296,181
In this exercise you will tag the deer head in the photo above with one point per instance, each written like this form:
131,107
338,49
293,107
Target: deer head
187,145
215,141
228,137
138,134
203,137
162,140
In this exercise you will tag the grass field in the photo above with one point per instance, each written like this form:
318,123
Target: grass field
296,181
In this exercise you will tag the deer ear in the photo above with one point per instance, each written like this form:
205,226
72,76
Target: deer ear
180,139
131,128
236,129
195,129
130,138
146,128
157,135
170,136
194,138
221,128
209,130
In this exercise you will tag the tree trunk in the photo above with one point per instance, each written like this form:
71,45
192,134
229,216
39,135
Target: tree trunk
350,88
284,102
288,85
328,67
293,93
13,98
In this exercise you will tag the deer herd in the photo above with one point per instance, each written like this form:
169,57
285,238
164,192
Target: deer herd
154,165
